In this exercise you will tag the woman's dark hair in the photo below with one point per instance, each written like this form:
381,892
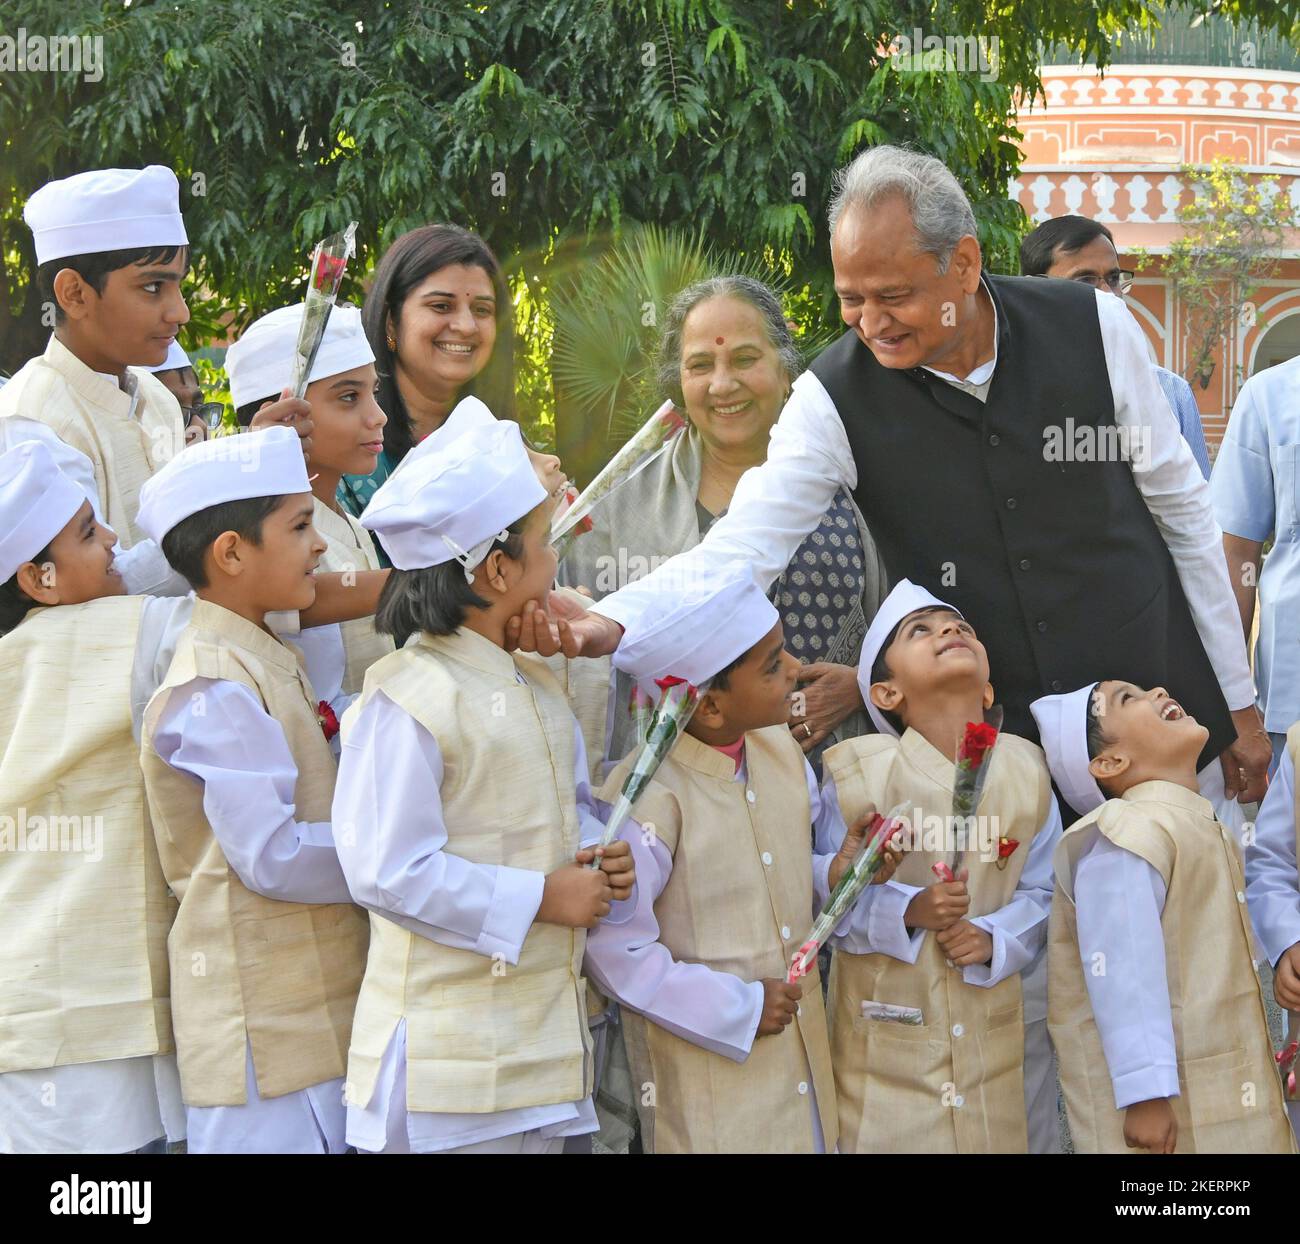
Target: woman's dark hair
437,598
745,288
94,269
186,544
14,602
1097,736
412,258
1066,234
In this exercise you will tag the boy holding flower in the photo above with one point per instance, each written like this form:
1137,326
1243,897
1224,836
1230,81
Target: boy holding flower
727,1055
937,992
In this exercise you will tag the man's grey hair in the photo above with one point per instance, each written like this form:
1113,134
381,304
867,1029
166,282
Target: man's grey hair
941,213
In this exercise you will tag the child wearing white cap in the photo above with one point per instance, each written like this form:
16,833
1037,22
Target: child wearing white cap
461,808
727,888
85,1033
111,250
1156,1008
179,378
972,1071
346,438
267,949
586,681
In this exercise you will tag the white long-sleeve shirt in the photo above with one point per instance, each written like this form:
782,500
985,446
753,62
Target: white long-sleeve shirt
1118,899
877,925
219,733
715,1010
777,503
712,1009
391,840
1272,883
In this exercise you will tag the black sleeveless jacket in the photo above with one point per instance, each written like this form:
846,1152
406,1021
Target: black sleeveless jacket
1058,565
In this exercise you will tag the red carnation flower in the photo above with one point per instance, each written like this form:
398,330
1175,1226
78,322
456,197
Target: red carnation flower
329,722
329,271
664,683
979,738
673,420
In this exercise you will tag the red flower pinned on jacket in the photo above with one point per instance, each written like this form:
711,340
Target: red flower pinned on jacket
1286,1058
977,741
1006,848
329,722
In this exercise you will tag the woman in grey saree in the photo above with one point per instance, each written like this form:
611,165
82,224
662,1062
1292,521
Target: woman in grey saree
728,360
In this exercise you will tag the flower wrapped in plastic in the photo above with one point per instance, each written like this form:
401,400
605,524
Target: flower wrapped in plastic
856,877
653,439
974,756
329,261
678,700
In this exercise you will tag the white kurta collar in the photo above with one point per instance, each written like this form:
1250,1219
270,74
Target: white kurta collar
984,372
97,387
1173,794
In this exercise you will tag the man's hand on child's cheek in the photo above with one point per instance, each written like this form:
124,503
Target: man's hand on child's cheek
965,944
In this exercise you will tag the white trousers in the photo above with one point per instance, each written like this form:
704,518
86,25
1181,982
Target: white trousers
312,1120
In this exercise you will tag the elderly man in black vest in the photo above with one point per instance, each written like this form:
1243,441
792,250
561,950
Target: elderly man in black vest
1012,451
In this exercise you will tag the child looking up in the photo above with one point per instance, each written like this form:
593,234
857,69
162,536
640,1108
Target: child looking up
1155,1002
960,1073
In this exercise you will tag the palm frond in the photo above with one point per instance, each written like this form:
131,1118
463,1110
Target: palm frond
608,322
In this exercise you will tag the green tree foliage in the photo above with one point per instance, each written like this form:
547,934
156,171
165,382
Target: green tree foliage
1234,229
607,322
547,125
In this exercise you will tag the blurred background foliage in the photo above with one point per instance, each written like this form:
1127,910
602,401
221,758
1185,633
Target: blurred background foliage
556,128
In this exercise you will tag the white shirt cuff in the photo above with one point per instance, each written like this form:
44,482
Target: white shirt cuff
1145,1084
516,897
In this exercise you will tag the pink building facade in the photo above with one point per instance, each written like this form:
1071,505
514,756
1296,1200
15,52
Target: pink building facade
1110,148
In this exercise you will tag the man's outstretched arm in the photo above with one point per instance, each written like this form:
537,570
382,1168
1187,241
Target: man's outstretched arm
775,507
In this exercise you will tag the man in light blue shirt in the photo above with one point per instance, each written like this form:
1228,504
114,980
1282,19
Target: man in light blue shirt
1255,490
1074,248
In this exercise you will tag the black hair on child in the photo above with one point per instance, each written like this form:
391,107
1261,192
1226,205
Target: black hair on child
1097,737
244,414
437,599
721,681
94,269
186,544
14,602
